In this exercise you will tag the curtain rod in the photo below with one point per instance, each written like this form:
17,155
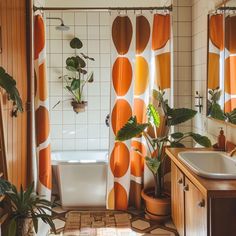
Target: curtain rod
168,8
226,8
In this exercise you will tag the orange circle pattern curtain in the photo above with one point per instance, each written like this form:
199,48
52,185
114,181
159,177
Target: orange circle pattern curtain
141,61
216,54
230,63
42,110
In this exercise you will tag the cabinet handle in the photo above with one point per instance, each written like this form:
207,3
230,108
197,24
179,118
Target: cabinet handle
186,188
201,203
180,181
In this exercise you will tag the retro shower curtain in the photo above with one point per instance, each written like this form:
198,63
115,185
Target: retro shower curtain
141,61
230,62
41,110
216,54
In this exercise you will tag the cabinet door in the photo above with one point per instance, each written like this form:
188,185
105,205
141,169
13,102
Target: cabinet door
195,211
177,198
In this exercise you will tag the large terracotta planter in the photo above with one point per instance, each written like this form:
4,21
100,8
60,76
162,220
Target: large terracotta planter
79,107
158,209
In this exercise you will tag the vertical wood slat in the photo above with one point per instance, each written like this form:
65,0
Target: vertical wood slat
13,59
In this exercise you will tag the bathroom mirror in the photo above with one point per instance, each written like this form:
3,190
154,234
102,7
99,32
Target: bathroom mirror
221,68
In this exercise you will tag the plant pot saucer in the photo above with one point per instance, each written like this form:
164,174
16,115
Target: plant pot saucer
158,218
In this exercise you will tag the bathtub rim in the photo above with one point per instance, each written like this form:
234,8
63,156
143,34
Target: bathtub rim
80,162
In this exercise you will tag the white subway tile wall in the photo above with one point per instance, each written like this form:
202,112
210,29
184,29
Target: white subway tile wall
86,130
182,32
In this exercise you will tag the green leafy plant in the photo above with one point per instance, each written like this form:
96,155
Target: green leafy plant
214,110
25,205
231,116
77,77
156,145
9,85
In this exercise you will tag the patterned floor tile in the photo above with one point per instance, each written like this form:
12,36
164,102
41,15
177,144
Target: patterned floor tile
140,224
111,223
161,232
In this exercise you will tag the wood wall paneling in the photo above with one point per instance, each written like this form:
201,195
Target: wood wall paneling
13,59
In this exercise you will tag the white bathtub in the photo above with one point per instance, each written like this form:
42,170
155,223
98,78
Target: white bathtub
81,177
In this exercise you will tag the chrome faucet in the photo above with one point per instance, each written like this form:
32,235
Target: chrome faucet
232,152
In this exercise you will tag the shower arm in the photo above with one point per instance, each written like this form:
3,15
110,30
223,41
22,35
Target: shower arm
56,18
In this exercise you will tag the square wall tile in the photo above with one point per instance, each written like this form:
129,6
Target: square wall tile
93,18
69,18
93,144
80,18
93,32
69,117
68,144
68,131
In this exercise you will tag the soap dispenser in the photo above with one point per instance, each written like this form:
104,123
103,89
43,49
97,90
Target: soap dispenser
221,140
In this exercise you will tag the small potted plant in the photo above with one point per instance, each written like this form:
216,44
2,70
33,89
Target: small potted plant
25,208
77,78
157,200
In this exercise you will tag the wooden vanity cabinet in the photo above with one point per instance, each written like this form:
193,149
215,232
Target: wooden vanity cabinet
188,205
200,206
177,198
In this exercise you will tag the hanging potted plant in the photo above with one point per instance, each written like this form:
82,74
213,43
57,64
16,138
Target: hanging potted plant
25,208
77,78
157,200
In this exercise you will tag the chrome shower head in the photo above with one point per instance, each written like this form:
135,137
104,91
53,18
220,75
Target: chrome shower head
62,26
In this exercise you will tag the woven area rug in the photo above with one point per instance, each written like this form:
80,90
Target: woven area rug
109,223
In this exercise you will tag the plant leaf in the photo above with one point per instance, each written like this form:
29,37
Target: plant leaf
153,116
231,116
12,228
71,68
35,222
81,62
180,115
177,145
202,140
131,129
87,57
9,84
90,78
177,135
153,164
216,112
76,43
75,84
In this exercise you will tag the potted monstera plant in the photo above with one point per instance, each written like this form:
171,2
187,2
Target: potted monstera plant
77,77
156,198
25,208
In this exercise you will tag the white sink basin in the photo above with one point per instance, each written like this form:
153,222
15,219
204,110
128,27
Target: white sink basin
210,164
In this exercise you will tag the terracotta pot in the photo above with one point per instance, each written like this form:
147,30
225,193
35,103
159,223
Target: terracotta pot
25,227
79,107
158,209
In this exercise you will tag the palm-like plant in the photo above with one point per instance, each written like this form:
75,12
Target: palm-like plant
25,205
156,145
